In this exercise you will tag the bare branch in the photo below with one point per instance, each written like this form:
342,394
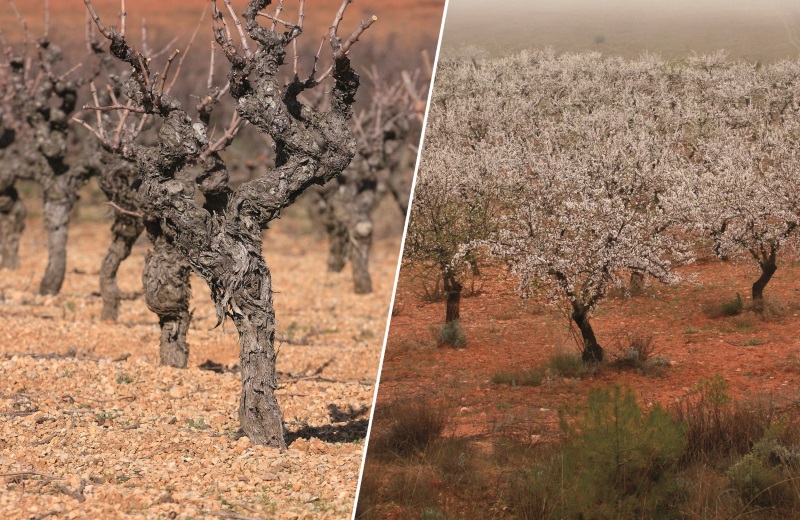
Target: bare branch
340,50
239,28
70,71
334,28
109,108
236,124
89,128
100,27
223,34
123,210
163,51
46,19
93,89
210,82
276,21
123,16
188,46
363,26
91,39
166,71
119,129
278,9
145,47
30,473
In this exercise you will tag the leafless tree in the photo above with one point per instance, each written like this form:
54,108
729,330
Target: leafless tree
45,95
221,239
386,134
12,209
116,178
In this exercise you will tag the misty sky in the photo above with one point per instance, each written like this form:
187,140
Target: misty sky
747,29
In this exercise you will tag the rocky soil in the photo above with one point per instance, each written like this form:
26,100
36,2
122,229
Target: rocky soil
91,426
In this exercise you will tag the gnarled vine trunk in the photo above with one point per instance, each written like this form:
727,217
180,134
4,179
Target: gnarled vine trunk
56,222
126,229
221,241
345,207
259,413
12,224
167,292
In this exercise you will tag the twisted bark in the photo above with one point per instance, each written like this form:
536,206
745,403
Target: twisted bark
346,205
12,209
12,224
126,229
221,240
47,105
167,292
56,221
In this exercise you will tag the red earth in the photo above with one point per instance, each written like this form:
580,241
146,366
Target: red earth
755,353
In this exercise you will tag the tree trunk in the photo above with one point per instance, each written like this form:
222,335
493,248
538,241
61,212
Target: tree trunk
768,267
360,243
116,178
717,236
167,292
56,220
636,285
338,245
126,230
592,351
400,186
12,223
453,306
259,414
363,191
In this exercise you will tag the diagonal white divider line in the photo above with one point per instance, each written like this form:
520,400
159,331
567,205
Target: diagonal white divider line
400,257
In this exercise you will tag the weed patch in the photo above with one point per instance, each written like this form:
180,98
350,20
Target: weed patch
727,308
519,378
411,427
452,335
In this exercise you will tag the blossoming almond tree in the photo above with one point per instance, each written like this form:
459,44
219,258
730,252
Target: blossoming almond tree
743,168
582,162
584,214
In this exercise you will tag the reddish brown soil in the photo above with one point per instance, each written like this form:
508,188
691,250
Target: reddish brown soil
756,354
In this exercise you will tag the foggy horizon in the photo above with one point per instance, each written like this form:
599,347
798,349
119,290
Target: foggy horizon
763,31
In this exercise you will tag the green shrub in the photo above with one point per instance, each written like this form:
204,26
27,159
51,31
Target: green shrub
452,334
536,492
454,458
733,307
764,477
620,459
